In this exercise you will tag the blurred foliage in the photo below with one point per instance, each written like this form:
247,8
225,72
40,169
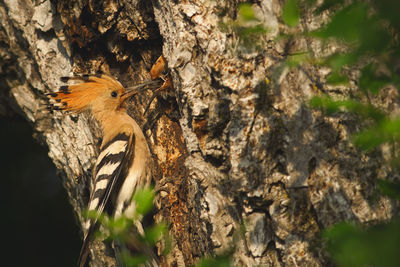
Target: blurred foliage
291,13
368,34
144,201
247,27
218,261
332,106
123,231
391,189
352,245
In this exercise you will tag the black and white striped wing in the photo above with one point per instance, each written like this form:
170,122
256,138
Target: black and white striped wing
108,176
109,170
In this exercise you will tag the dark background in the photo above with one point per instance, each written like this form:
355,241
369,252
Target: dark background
37,221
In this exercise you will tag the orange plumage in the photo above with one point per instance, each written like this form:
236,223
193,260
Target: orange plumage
88,89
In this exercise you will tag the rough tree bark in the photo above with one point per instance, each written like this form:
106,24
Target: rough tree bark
242,164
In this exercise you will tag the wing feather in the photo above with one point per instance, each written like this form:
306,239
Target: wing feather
108,178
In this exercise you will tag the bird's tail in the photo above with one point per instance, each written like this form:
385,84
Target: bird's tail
85,247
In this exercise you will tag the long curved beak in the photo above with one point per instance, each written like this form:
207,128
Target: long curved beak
140,88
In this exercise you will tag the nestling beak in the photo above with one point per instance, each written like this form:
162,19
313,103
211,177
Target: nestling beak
147,85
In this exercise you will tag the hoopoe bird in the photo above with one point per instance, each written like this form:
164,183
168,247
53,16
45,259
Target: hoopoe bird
124,162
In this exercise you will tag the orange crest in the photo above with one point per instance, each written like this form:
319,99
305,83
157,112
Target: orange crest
80,95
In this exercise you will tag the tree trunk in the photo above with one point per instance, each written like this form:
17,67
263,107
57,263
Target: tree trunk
242,165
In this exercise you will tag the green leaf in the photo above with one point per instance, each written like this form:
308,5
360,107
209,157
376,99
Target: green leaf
337,61
218,261
391,128
369,81
246,12
347,24
366,110
339,232
335,78
390,189
297,59
350,245
373,36
343,238
133,261
120,225
153,234
326,103
249,36
332,106
354,25
94,215
368,139
385,131
291,13
144,201
389,9
90,214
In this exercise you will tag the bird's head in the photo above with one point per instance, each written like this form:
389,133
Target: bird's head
95,93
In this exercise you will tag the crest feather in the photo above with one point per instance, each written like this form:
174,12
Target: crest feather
79,96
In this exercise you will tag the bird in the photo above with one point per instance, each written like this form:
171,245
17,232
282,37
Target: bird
124,164
159,71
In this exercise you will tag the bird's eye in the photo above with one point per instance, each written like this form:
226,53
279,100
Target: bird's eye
114,94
